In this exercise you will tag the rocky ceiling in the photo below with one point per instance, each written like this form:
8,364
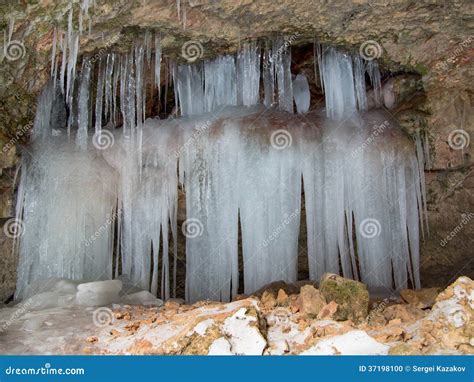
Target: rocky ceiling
431,38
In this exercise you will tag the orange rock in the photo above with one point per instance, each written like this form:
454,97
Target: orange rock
328,311
282,298
421,298
268,301
311,301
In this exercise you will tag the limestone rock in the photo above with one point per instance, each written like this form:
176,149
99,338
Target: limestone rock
268,300
422,298
311,301
275,286
404,313
351,297
451,321
328,311
282,298
404,349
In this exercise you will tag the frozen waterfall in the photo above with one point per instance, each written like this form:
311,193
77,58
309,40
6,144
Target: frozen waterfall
100,200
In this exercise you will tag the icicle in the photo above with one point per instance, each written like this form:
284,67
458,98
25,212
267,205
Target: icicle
426,146
189,86
375,80
42,126
158,62
421,176
63,43
148,204
318,58
282,53
99,97
268,77
248,74
61,239
53,53
211,211
219,83
359,77
338,84
70,57
115,89
301,93
147,44
108,85
83,108
123,82
139,57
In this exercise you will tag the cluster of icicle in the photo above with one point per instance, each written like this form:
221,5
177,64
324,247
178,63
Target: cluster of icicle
229,80
95,207
63,65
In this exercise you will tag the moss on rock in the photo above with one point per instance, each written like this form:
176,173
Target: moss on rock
352,297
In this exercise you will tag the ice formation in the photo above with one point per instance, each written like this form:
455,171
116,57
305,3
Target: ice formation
301,93
104,204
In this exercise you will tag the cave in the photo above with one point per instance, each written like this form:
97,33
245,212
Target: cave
183,168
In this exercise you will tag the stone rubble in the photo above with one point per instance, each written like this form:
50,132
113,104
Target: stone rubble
309,322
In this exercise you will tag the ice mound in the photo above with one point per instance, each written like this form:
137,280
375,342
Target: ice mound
98,293
141,298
